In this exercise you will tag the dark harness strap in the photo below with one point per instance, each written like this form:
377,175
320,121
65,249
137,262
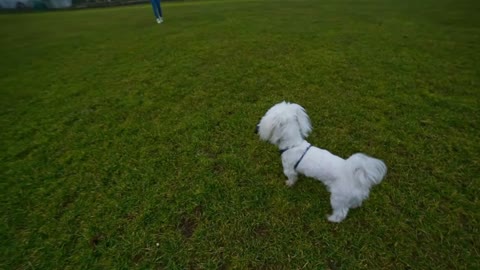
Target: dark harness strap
298,162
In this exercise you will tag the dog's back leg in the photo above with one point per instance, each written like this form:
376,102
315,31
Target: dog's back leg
340,208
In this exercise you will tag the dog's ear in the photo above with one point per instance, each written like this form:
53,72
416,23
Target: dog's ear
266,128
303,120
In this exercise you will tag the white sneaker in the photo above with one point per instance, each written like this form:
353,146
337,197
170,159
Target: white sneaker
159,20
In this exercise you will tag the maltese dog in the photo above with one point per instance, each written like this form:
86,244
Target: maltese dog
286,125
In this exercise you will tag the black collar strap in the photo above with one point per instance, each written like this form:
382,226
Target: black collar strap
283,150
298,162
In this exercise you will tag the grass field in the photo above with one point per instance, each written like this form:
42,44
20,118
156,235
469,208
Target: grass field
126,144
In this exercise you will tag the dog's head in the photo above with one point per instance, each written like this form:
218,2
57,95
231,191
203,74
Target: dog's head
284,122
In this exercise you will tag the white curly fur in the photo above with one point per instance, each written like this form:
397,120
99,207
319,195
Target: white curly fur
349,181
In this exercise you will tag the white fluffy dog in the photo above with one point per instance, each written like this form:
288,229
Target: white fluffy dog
349,181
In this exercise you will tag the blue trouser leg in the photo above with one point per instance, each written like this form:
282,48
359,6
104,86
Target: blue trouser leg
156,8
159,8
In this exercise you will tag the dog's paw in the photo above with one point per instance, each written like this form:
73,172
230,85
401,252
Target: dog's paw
290,183
335,218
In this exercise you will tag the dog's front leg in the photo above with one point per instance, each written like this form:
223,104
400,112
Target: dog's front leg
291,175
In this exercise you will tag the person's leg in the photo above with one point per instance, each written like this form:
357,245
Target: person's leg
155,7
159,8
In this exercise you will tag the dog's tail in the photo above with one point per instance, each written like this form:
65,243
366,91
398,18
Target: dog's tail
367,171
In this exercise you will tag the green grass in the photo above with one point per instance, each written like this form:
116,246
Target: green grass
130,144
